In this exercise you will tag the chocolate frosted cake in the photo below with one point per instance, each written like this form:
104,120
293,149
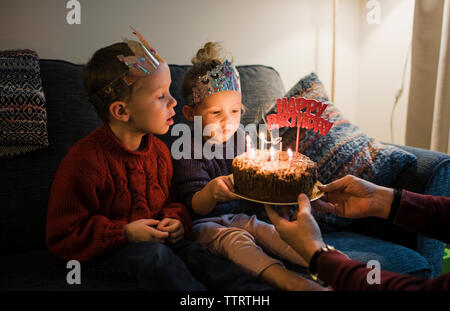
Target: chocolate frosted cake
273,178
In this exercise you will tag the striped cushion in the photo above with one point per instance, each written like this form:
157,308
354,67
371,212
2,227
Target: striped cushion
346,149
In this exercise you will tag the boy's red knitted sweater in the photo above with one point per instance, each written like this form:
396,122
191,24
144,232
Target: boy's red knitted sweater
100,186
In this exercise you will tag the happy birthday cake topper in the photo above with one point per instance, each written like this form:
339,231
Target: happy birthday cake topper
301,113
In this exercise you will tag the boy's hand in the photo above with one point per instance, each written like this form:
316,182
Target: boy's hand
173,227
221,189
143,230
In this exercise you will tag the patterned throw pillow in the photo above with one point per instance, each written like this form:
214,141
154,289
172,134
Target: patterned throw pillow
346,149
23,118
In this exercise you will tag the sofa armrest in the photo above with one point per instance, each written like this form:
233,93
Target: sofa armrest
418,176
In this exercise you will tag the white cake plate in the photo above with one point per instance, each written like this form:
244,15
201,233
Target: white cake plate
316,194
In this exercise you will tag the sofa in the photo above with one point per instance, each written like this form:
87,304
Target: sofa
25,262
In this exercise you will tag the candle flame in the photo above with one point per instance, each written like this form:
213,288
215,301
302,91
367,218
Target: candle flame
262,136
272,153
249,140
262,141
289,151
252,153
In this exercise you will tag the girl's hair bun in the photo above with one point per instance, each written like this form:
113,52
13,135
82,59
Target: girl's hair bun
208,57
211,52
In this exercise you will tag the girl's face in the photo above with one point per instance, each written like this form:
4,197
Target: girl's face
221,112
151,107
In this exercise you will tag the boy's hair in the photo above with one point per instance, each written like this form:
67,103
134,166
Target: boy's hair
104,69
206,59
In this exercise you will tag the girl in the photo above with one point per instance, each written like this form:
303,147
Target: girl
211,89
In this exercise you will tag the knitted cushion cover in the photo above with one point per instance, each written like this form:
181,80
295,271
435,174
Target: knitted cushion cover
23,118
346,149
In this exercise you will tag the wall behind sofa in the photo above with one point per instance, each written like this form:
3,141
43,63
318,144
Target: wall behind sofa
293,36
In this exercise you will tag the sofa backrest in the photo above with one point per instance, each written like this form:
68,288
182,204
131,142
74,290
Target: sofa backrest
26,180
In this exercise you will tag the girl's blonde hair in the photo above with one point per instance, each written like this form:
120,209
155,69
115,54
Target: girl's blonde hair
208,57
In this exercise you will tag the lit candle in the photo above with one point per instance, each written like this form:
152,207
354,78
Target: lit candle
289,152
261,143
252,154
249,142
272,154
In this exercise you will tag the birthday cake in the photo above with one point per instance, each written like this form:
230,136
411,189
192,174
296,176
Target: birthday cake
261,175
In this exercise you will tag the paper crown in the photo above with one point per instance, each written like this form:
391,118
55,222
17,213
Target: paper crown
144,61
224,77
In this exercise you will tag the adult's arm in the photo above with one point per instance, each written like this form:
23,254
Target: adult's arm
342,273
425,214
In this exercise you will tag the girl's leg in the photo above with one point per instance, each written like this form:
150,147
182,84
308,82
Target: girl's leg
235,244
278,276
239,246
216,273
268,238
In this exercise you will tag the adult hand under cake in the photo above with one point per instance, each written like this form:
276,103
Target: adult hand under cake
353,197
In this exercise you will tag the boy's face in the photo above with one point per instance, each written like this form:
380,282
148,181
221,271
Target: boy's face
151,107
222,111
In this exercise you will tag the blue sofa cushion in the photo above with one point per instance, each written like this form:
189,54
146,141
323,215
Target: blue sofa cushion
346,149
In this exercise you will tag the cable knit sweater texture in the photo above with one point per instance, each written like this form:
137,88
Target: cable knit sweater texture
100,186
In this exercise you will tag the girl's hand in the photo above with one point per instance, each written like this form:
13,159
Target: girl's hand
174,227
221,189
143,230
